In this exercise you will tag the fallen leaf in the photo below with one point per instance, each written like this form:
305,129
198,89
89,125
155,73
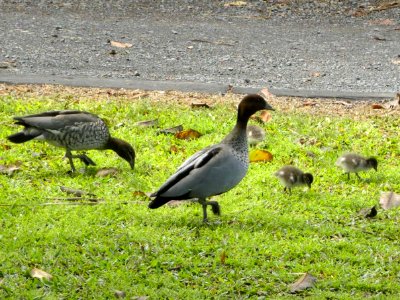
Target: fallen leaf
139,194
188,134
235,4
175,149
200,104
377,106
389,200
107,172
369,212
306,281
5,147
379,38
171,130
308,103
8,170
148,123
263,117
396,61
255,134
385,22
258,155
119,294
223,257
40,274
315,74
120,44
266,93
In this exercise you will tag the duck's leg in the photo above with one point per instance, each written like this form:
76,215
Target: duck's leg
348,175
85,159
216,209
71,163
358,176
203,203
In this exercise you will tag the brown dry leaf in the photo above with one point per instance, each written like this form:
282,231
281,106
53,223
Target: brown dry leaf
258,155
389,200
308,103
119,294
223,257
120,44
199,104
235,4
139,194
385,22
188,134
5,147
175,149
148,123
171,130
107,172
266,93
8,170
264,116
40,274
306,281
377,106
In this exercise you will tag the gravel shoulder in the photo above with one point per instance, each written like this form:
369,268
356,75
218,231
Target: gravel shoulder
344,46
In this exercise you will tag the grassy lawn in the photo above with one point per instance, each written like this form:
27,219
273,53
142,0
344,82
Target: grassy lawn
263,241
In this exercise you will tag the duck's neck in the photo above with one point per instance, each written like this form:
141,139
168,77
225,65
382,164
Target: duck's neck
237,138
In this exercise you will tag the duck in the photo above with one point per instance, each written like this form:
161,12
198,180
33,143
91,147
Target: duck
291,176
255,135
354,163
72,130
215,169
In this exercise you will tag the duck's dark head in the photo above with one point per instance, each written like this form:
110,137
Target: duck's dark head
308,179
123,149
373,163
249,105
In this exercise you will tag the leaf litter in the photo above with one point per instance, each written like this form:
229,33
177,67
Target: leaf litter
306,281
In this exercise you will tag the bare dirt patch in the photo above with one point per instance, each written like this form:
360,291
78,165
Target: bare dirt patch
334,107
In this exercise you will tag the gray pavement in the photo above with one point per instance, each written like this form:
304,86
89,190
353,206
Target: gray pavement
309,49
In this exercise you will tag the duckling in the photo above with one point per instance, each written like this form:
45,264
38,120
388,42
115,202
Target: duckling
72,130
291,176
215,169
354,163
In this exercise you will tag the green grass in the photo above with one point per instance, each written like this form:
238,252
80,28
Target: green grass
268,237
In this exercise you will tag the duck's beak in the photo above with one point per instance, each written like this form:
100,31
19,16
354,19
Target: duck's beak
268,107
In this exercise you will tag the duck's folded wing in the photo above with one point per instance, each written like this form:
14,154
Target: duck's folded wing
56,120
198,160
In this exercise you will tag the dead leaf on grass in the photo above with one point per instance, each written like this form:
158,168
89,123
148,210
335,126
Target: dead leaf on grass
40,274
258,155
377,106
119,294
147,123
223,257
107,172
389,200
171,130
306,281
263,117
8,169
120,44
188,134
140,194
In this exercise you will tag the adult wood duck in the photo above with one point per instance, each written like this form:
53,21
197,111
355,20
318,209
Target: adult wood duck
215,169
72,130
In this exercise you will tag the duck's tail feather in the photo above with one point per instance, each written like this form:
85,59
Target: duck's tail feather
22,136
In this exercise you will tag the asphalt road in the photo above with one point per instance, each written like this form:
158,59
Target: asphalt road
199,45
